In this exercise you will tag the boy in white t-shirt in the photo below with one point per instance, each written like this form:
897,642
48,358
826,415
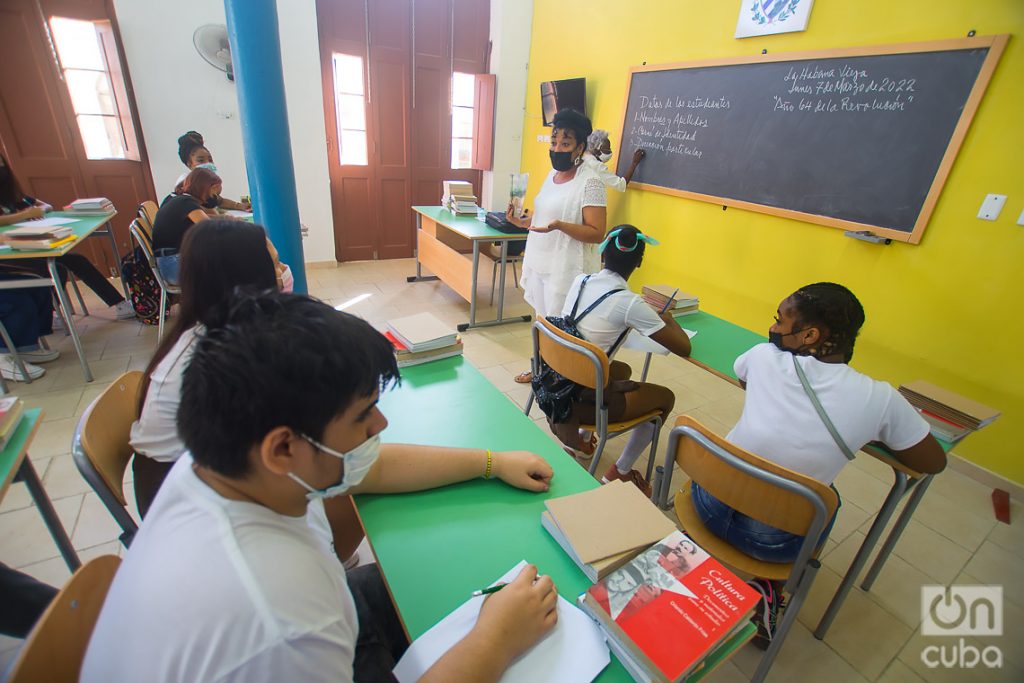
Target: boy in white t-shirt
231,576
605,326
816,327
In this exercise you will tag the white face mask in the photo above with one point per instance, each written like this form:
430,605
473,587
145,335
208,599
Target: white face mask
604,157
358,462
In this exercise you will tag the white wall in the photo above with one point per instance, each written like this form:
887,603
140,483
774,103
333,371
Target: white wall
176,91
511,20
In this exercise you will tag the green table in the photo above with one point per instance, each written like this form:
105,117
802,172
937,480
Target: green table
83,227
435,547
15,465
441,239
715,348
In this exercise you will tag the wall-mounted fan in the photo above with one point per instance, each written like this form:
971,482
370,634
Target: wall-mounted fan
211,41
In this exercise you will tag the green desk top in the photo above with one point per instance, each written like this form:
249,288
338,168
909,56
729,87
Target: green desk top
468,227
718,342
82,228
12,454
437,546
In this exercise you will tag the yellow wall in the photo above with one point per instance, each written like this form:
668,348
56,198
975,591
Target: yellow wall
949,310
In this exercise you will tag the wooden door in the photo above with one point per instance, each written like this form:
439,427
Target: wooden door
39,128
407,51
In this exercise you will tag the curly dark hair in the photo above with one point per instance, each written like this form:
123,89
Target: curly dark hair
187,143
835,308
571,121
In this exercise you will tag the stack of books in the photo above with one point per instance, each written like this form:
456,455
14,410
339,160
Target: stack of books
458,197
422,338
658,296
31,238
604,528
11,409
672,611
950,416
93,206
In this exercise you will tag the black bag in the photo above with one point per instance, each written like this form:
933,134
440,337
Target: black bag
555,394
142,286
498,221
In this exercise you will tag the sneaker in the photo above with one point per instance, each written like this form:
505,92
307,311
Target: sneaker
124,310
9,369
766,614
39,355
632,477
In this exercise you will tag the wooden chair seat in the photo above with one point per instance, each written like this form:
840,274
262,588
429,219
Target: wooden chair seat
615,427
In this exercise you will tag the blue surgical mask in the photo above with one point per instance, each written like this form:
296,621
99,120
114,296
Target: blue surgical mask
210,166
358,462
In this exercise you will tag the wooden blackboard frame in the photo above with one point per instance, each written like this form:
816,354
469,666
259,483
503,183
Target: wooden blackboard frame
995,44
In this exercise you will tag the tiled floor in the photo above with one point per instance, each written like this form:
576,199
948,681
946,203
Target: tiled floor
953,538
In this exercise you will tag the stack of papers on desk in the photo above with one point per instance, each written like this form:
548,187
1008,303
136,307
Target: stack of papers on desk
574,652
48,222
32,236
422,338
950,416
604,528
93,206
678,301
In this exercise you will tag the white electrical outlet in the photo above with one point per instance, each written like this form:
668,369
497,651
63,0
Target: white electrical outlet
991,207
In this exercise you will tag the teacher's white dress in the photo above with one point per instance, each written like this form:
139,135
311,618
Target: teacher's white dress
554,259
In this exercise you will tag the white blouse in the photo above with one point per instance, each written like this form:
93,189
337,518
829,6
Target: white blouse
554,259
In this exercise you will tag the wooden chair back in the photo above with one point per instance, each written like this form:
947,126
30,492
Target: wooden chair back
55,648
567,355
105,430
745,492
147,214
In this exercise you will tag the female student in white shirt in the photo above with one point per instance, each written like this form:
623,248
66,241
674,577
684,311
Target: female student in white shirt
622,253
231,577
568,221
599,153
815,328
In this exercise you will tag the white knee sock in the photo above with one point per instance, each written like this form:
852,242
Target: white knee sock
639,441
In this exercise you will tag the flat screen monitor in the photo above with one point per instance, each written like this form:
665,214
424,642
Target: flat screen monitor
570,93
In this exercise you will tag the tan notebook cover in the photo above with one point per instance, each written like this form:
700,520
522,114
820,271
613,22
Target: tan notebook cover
421,328
667,290
609,520
978,411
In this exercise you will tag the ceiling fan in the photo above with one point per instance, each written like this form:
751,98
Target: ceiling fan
211,41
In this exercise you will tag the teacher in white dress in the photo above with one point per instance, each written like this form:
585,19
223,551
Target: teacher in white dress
567,224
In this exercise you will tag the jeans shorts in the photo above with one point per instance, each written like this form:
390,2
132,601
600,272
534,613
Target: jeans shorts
167,262
754,538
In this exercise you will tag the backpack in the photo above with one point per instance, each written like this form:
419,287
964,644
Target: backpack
555,393
142,287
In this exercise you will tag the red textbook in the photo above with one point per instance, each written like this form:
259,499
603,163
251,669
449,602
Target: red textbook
671,607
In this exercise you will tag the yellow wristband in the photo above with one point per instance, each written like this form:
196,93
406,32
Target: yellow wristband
490,462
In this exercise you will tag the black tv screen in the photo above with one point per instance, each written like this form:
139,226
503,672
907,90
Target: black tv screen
570,93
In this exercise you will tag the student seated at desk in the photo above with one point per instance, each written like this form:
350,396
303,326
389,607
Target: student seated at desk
599,153
606,326
193,153
16,206
231,576
814,332
28,315
178,213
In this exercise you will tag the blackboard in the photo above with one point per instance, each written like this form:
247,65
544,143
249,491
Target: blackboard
860,139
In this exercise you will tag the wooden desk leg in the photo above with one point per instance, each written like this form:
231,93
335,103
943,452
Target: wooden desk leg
920,486
899,487
27,474
419,277
65,307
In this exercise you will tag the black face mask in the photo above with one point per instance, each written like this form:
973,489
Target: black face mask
561,161
776,339
212,203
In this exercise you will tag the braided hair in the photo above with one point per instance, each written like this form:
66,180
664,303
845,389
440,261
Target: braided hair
835,308
188,143
624,251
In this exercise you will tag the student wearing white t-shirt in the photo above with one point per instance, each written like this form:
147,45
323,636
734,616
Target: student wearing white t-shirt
815,328
606,325
231,576
599,153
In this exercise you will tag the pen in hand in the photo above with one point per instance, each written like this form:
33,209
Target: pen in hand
670,300
488,591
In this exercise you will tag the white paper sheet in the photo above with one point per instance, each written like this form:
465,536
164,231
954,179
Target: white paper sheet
49,222
638,342
237,213
574,652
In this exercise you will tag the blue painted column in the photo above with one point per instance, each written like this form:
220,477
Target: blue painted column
256,54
